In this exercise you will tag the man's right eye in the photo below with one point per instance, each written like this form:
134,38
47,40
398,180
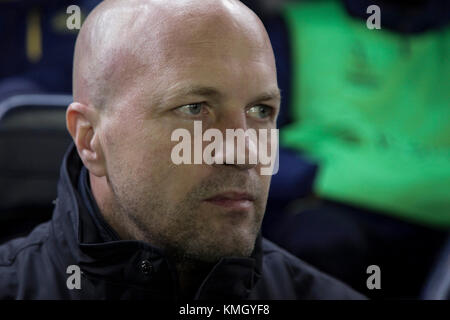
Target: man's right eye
192,109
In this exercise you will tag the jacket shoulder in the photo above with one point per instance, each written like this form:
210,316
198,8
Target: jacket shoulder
285,276
10,250
20,258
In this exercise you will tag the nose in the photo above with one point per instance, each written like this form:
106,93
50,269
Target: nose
240,145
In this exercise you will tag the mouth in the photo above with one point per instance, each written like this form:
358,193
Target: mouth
233,200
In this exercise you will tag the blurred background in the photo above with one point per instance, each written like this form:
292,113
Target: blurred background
364,173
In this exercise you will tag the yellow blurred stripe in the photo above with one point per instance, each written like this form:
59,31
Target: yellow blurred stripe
34,36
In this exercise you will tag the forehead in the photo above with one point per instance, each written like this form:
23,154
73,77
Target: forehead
216,58
217,50
208,71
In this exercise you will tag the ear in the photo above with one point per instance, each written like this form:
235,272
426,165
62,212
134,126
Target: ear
81,120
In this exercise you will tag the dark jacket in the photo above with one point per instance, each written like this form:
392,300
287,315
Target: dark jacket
36,267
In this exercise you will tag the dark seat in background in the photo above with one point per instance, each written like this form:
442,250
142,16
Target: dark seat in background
437,286
33,139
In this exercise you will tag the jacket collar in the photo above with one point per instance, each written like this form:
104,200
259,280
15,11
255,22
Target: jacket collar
99,230
135,264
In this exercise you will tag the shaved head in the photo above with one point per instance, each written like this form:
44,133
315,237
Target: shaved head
123,39
157,66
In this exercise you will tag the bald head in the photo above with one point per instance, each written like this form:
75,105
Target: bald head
122,40
160,66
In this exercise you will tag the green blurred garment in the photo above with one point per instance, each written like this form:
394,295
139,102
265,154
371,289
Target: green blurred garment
373,107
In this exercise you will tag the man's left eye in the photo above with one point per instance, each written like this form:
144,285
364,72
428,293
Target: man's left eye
191,109
260,111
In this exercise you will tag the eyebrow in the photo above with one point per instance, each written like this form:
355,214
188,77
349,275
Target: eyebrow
270,95
211,92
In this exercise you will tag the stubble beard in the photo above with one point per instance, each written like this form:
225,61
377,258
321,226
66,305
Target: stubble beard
179,230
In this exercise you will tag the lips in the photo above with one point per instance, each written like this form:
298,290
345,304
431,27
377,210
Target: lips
233,196
232,200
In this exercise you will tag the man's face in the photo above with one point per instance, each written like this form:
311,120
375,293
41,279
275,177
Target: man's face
197,211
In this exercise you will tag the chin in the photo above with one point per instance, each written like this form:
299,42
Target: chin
236,245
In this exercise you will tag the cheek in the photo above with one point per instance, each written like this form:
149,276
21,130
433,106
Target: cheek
151,155
265,180
153,169
133,154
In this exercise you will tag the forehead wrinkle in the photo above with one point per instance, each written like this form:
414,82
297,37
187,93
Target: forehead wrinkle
185,90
